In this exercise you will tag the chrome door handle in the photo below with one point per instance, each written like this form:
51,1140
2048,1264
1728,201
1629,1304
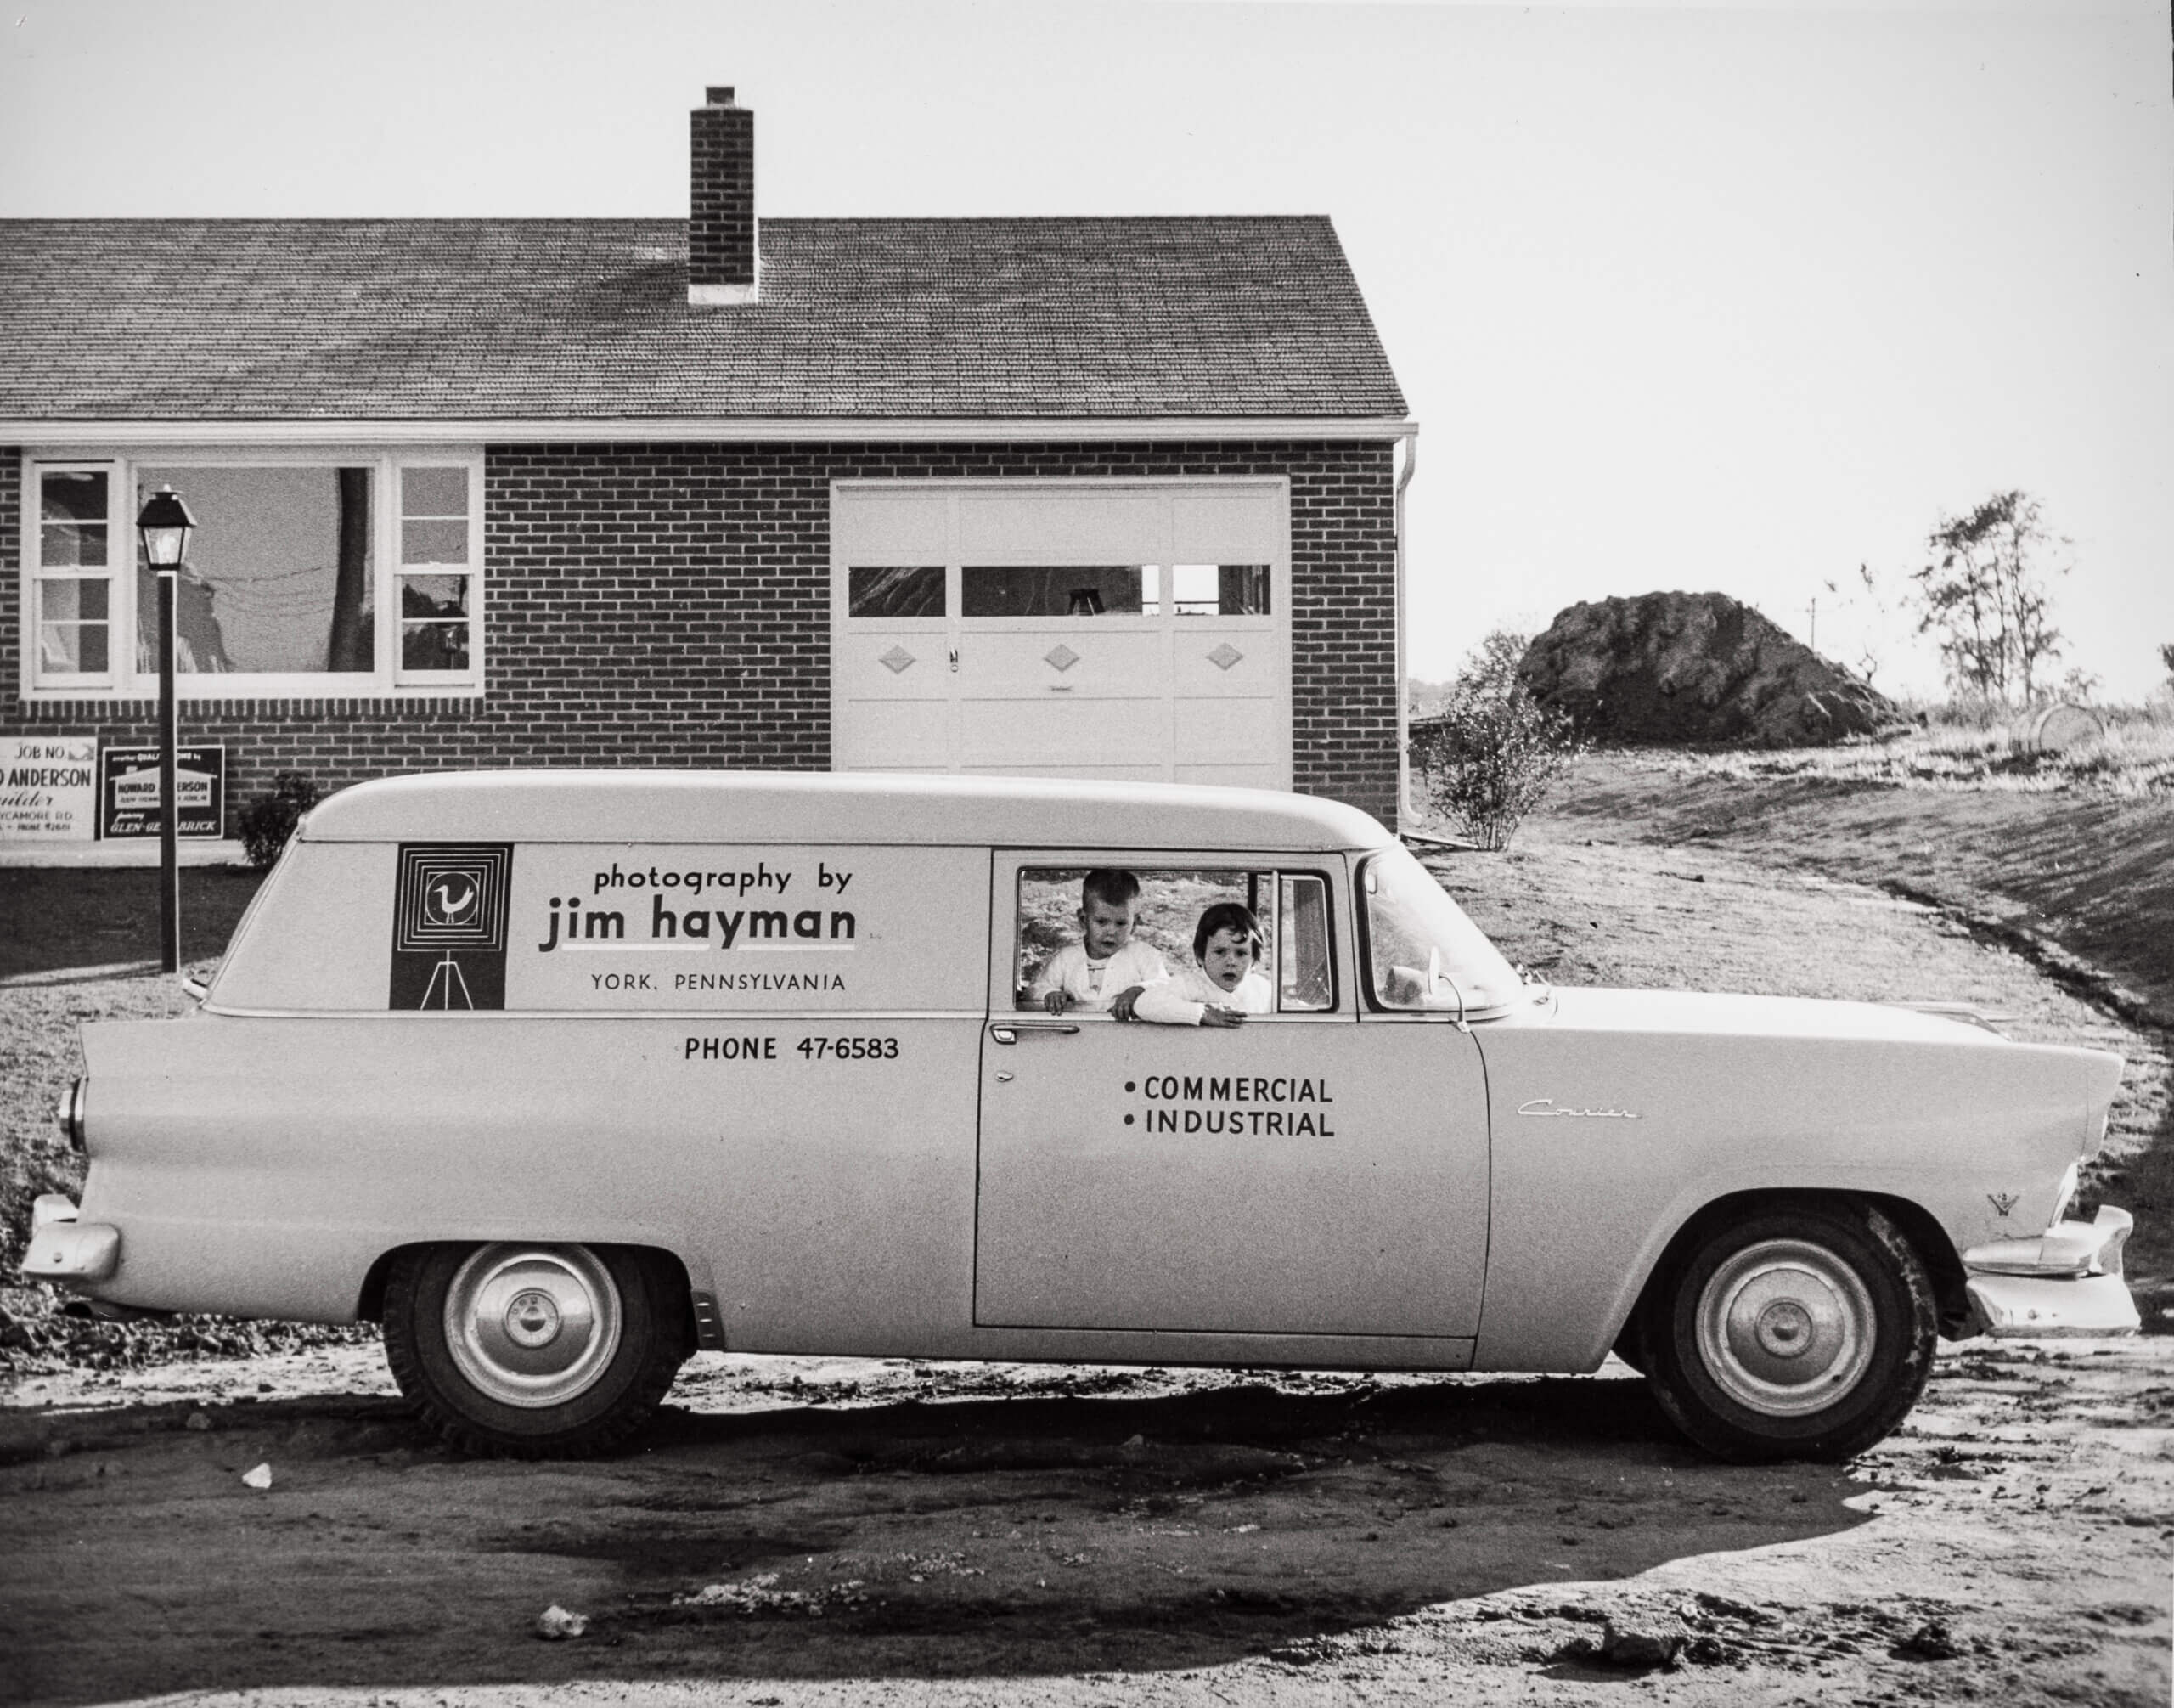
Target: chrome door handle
1009,1032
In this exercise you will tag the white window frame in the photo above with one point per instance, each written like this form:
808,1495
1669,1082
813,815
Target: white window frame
75,684
387,680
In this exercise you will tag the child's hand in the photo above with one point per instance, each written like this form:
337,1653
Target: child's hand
1121,1004
1221,1017
1054,1002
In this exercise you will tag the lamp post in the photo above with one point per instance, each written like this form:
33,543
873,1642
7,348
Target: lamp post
164,526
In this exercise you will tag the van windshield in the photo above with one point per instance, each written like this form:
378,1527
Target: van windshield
1422,952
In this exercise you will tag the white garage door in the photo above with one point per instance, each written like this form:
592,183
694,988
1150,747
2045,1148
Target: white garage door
1067,628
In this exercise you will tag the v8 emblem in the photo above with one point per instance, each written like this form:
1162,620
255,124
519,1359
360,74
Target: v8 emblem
2002,1202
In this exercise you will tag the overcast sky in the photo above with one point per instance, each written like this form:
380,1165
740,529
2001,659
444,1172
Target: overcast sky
1734,296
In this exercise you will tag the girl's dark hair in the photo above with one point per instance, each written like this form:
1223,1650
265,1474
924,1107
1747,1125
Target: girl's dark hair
1227,916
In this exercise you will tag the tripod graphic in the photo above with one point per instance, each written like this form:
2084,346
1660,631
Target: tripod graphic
446,974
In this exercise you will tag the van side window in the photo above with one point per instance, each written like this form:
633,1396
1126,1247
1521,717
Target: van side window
1290,908
1304,981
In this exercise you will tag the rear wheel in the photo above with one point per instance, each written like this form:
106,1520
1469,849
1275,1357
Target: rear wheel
1797,1333
533,1350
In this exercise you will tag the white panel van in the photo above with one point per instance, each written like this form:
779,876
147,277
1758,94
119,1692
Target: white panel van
563,1076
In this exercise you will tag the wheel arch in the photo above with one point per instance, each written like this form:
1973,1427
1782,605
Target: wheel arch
370,1302
1918,1225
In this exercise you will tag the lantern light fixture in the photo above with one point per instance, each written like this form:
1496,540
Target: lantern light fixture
164,524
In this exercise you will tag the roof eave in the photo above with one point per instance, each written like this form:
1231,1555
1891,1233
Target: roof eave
51,434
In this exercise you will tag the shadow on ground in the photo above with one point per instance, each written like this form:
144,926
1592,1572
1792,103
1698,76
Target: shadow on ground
965,1538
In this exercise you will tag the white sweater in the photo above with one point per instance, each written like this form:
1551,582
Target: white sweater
1180,1000
1090,984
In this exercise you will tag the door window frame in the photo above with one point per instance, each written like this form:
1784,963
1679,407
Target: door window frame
1009,864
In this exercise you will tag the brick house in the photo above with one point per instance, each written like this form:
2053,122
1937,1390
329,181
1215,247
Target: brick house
1106,497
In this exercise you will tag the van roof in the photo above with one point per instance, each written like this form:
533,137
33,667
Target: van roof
818,808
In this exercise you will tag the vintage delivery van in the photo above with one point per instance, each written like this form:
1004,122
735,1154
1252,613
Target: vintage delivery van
564,1075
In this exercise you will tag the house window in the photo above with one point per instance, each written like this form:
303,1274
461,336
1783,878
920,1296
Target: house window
437,570
305,575
71,589
279,574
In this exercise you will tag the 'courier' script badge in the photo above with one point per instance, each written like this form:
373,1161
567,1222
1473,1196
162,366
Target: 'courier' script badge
449,925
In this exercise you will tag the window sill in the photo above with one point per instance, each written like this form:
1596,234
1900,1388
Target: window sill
187,689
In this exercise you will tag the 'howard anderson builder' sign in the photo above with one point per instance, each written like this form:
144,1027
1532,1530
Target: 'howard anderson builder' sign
128,790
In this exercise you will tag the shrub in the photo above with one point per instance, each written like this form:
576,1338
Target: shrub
268,820
1492,753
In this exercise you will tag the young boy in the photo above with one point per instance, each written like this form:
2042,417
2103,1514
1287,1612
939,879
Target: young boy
1088,974
1225,988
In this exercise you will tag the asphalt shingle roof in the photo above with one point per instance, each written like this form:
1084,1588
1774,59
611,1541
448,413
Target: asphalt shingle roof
546,319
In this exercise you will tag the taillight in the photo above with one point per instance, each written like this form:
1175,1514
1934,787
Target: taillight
71,1113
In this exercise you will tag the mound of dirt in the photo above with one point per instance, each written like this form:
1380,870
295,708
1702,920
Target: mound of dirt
1695,667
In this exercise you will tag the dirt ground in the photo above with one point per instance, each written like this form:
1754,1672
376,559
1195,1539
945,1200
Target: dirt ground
835,1531
862,1532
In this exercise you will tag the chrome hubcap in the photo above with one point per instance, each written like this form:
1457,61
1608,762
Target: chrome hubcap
1785,1328
533,1324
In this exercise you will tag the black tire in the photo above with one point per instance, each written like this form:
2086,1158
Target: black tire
533,1351
1797,1333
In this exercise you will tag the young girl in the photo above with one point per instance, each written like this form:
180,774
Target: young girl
1225,986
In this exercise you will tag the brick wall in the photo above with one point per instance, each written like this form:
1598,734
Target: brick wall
669,605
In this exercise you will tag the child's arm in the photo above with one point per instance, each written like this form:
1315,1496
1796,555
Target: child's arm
1163,1004
1048,988
1179,1002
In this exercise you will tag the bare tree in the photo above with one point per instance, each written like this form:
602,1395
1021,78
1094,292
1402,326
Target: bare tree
1491,754
1984,594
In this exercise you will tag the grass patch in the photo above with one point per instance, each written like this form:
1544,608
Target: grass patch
2134,759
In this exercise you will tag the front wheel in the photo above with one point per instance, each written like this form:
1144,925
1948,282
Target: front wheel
532,1351
1801,1333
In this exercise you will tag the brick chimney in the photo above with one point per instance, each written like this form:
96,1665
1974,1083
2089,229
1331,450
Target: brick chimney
721,206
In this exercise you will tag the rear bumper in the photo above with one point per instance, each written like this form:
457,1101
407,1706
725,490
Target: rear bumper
63,1249
2065,1280
2006,1306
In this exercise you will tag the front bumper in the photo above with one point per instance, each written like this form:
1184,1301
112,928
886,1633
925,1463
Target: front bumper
63,1249
2065,1281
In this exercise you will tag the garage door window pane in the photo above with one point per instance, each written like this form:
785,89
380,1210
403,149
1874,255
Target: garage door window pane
883,592
1220,589
1069,590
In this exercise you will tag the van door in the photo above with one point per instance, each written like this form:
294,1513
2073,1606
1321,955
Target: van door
1303,1173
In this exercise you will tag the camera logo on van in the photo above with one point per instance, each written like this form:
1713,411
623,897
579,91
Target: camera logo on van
449,925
